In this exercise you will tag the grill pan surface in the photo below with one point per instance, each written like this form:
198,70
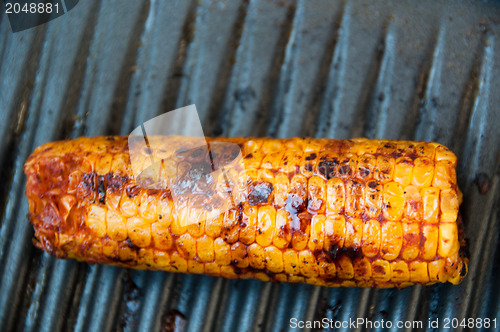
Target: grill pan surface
426,70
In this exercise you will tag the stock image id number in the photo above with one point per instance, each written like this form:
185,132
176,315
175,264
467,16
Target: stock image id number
31,8
477,323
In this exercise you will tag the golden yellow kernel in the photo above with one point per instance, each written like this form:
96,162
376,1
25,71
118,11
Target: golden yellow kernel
449,206
393,197
437,270
186,246
205,248
222,252
291,262
195,267
280,277
145,258
129,205
148,205
327,269
266,225
178,263
161,258
164,209
162,238
96,220
317,239
403,171
256,256
116,227
418,272
448,240
239,255
274,259
139,232
366,166
430,203
444,175
230,227
213,226
431,235
212,269
423,172
249,220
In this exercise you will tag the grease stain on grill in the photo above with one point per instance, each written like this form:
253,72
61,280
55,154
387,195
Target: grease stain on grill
131,304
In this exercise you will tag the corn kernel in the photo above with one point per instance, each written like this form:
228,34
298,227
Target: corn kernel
139,232
266,225
371,238
205,248
335,195
96,220
392,240
274,259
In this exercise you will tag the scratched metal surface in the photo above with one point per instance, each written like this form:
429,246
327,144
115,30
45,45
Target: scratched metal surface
427,70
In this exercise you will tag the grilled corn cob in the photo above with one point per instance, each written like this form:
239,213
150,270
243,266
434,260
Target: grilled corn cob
366,213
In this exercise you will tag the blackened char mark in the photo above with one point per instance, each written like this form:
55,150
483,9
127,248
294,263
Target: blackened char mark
116,182
101,190
259,192
327,168
335,253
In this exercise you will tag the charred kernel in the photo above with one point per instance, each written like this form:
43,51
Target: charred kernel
381,270
335,232
371,238
411,241
400,271
362,269
345,269
391,240
307,264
